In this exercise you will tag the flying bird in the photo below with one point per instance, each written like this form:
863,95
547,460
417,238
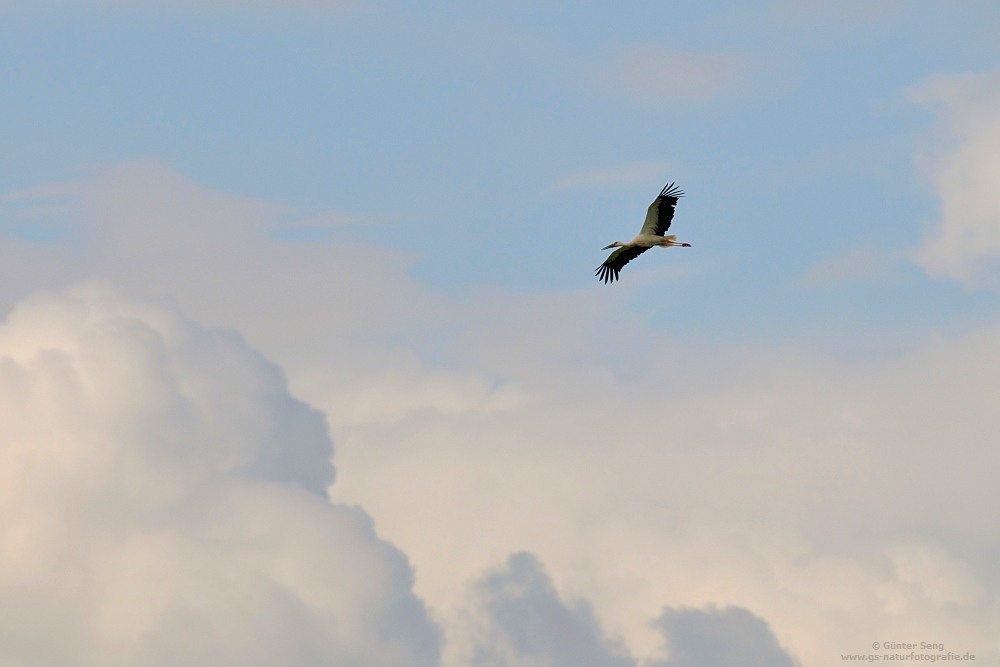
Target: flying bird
658,218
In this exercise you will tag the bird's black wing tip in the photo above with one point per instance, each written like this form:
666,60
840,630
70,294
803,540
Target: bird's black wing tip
671,190
606,273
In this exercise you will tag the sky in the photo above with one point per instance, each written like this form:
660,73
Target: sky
303,361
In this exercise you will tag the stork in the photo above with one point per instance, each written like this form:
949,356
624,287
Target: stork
658,218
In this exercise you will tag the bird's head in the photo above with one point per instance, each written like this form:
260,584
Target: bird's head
614,244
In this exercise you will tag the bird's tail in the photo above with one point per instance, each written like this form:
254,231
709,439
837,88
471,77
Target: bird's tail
670,237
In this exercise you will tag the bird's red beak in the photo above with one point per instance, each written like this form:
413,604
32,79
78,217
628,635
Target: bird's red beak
610,245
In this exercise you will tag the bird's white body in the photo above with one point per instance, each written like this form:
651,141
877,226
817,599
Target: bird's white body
653,233
649,241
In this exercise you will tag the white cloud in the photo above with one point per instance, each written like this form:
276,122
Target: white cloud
729,637
163,502
771,480
527,622
656,74
963,241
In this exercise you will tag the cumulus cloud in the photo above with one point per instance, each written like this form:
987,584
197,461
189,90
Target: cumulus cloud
656,74
729,637
792,485
163,501
962,241
525,621
528,623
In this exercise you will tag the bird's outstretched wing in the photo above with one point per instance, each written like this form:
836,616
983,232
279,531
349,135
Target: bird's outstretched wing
608,272
661,211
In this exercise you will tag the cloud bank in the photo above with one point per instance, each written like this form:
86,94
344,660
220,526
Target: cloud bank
163,502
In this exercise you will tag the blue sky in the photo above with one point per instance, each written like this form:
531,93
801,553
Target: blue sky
450,129
401,206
